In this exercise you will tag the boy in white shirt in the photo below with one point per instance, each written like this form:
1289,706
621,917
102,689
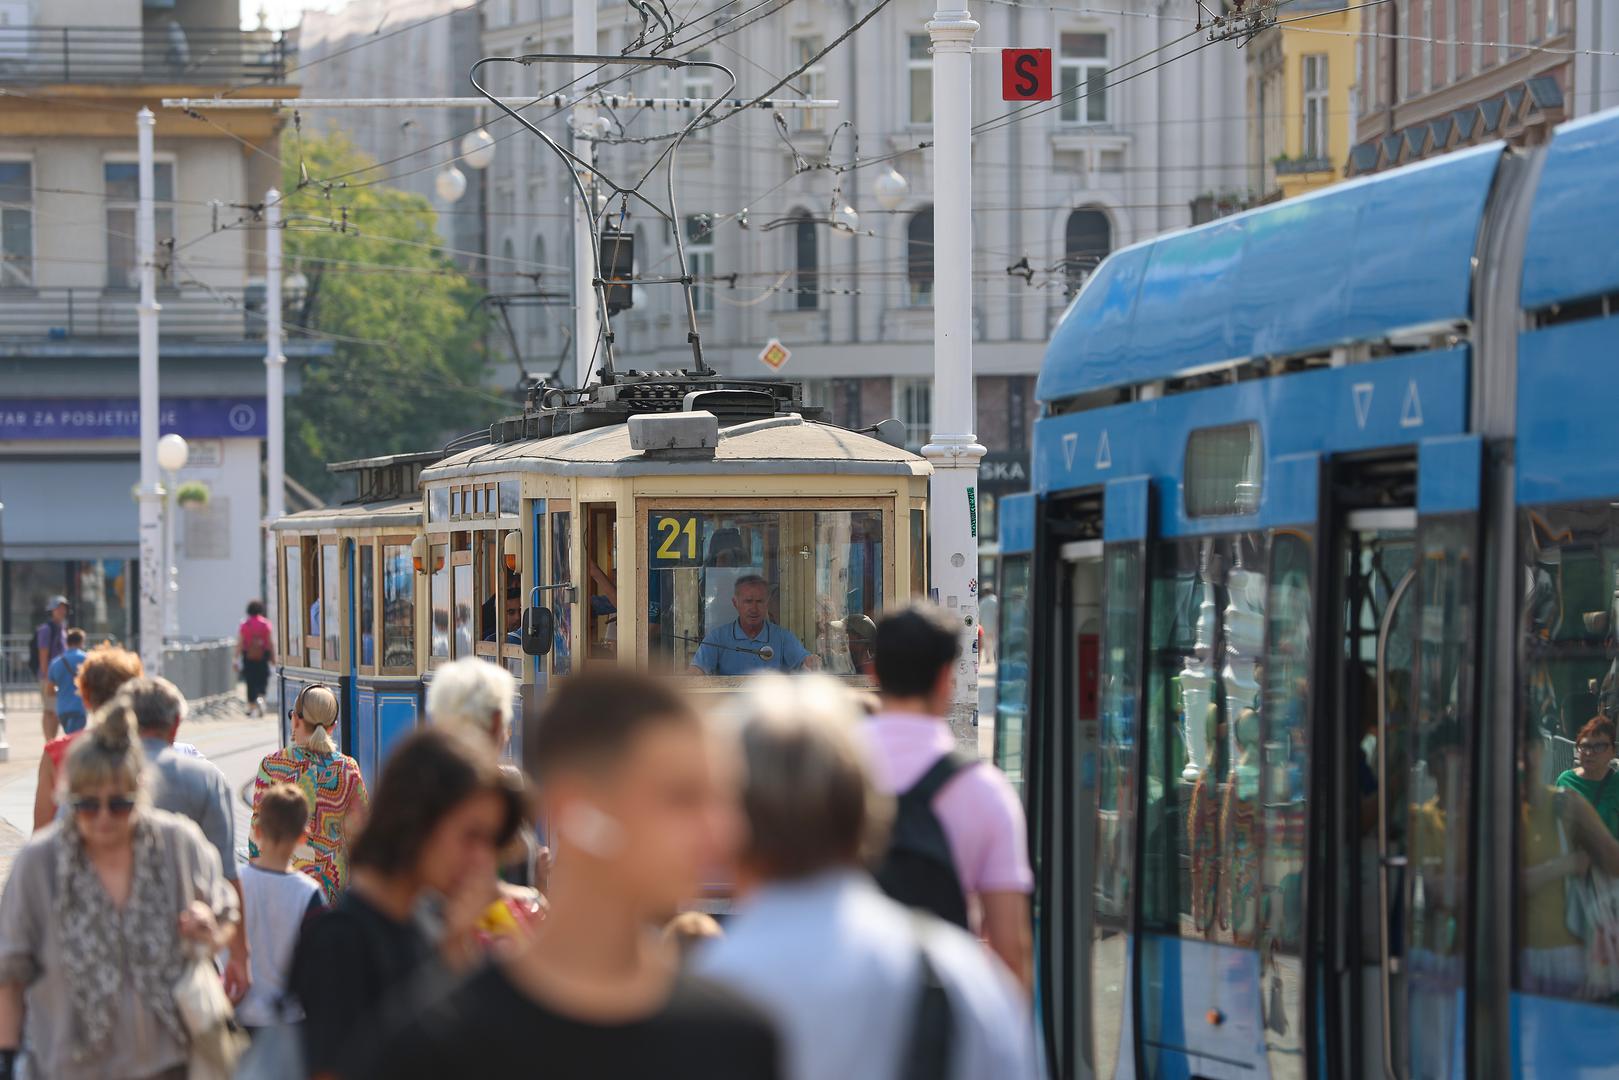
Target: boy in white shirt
276,900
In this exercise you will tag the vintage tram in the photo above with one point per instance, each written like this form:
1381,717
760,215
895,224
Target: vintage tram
1322,569
620,524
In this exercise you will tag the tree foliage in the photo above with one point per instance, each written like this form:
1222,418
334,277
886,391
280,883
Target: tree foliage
408,363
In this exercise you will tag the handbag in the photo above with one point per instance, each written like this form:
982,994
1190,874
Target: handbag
217,1041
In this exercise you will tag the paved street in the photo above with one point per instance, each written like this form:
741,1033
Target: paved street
229,739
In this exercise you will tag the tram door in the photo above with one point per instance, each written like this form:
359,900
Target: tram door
1365,769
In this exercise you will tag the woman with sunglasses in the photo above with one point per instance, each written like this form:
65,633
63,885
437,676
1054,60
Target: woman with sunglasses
330,780
96,918
1592,775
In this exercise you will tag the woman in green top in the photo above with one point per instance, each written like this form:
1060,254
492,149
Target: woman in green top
1590,776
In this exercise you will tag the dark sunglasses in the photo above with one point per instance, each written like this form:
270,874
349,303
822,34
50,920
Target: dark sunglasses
116,805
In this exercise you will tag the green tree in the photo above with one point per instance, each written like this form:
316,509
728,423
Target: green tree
409,360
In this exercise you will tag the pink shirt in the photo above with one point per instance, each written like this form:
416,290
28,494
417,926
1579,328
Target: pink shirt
980,813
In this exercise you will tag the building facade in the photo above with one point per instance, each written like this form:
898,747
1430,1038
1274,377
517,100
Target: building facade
1434,75
75,73
1056,187
1301,78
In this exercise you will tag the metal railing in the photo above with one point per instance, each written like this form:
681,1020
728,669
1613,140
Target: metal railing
204,670
60,314
169,53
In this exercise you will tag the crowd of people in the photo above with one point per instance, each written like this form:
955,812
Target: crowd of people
469,914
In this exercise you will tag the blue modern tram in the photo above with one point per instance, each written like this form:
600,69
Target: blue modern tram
1319,583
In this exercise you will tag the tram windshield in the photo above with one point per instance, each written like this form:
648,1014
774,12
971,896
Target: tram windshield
733,591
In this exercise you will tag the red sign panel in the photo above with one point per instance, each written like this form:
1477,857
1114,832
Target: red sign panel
1026,75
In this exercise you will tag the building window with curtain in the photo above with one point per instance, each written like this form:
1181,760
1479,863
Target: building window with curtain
919,258
1086,241
16,224
812,83
123,194
806,263
1315,144
1083,79
919,70
700,260
913,399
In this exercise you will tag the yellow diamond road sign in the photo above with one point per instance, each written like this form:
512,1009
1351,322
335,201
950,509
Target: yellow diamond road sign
774,354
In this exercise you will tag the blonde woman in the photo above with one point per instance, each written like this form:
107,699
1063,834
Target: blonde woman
93,918
330,780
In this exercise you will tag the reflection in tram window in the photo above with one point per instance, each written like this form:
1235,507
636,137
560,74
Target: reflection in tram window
439,592
1568,904
1201,876
1012,669
462,598
562,574
292,613
398,607
817,575
601,582
327,616
367,614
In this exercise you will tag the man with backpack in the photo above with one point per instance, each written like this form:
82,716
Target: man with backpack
959,846
50,641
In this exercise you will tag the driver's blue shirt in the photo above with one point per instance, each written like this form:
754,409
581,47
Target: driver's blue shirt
720,653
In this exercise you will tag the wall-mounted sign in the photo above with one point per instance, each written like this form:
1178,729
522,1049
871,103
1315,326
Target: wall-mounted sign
774,355
119,418
1026,75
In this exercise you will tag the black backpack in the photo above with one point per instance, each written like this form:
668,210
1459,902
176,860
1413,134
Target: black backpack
918,870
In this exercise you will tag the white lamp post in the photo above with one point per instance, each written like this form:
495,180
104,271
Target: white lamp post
172,455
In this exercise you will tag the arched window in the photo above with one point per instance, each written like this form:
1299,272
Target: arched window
806,263
1086,242
919,257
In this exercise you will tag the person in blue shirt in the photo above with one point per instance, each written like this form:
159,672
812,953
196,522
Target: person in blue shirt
64,674
735,647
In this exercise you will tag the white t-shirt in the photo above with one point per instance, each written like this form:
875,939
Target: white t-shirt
276,906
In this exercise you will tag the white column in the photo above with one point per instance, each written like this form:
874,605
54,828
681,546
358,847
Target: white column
586,317
954,449
153,584
275,431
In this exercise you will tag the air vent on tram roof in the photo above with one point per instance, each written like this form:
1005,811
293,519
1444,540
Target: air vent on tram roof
731,404
683,434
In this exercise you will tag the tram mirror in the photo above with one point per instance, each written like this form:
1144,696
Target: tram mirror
539,628
892,432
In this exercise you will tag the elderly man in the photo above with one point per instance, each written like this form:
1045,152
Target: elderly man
751,642
190,786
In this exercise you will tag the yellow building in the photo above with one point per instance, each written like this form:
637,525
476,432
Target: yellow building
1301,79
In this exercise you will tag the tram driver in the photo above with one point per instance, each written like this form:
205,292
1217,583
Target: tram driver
751,642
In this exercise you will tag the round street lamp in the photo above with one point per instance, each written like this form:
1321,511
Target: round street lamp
451,184
845,221
478,148
891,188
172,453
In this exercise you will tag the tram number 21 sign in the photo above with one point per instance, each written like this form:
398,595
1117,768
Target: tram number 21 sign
1026,75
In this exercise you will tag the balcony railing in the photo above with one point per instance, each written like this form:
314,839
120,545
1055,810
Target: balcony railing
63,314
161,54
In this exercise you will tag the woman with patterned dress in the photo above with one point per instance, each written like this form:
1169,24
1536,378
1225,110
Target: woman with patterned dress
331,782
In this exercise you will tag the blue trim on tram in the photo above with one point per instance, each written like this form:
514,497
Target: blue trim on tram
1394,402
1573,246
1124,509
1450,474
365,733
1015,523
1561,1039
1189,981
1568,443
1349,263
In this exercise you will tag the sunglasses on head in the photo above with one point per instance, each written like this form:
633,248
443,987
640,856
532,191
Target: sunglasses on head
116,805
298,702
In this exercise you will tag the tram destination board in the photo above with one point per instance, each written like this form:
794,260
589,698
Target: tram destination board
675,539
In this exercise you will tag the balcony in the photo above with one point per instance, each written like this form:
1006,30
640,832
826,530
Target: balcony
172,54
79,315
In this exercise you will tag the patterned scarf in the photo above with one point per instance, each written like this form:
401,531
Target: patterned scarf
99,941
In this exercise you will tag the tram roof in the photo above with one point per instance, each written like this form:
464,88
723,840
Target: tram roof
1572,251
396,513
781,444
1354,262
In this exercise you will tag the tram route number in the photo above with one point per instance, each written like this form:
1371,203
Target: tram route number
676,540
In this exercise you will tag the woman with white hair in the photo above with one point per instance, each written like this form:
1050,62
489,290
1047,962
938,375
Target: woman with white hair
852,979
473,696
99,918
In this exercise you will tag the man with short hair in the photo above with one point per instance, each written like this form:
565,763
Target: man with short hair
940,791
190,786
63,676
50,641
751,642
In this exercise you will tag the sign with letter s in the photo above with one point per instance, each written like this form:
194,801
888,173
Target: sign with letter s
1026,75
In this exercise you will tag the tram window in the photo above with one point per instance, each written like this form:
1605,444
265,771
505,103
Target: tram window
331,603
309,612
812,579
462,598
1201,875
439,593
1012,669
562,574
1570,801
292,608
489,610
438,505
601,581
368,607
398,608
1223,471
919,555
510,498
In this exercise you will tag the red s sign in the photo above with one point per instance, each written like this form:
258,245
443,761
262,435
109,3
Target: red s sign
1025,74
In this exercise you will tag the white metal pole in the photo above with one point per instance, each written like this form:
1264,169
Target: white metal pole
954,449
154,590
275,430
586,319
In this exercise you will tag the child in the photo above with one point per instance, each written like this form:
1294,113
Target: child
63,674
276,900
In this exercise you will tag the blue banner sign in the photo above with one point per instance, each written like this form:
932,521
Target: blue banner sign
119,418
